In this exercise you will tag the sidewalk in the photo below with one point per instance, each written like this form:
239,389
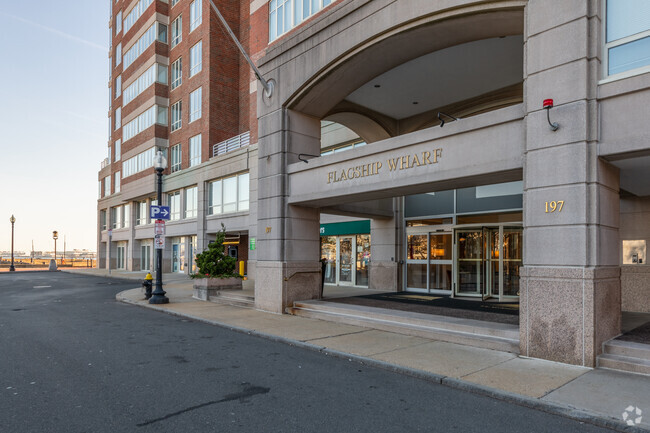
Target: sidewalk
596,396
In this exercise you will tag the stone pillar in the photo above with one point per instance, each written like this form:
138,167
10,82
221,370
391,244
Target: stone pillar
288,267
384,255
570,284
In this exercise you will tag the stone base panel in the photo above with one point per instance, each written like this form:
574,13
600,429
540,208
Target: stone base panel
279,284
567,313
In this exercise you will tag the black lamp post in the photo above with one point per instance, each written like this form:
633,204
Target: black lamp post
55,236
12,220
158,295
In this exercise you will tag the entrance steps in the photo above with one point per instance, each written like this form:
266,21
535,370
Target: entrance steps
237,298
626,356
489,335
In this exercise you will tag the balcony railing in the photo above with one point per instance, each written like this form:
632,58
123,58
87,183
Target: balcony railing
234,143
105,163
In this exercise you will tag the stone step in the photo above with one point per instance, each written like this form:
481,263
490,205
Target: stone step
624,363
627,348
475,333
233,298
471,326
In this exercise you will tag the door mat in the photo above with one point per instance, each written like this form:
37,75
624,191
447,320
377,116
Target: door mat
488,311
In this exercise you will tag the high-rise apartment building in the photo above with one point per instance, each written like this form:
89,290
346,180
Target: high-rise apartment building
409,143
177,84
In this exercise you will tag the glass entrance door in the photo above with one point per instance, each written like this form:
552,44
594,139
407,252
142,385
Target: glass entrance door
346,260
511,256
471,276
440,261
488,261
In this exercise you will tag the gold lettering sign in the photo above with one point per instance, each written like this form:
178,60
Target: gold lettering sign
393,164
553,206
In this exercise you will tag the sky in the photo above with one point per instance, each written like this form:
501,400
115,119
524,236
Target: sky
53,120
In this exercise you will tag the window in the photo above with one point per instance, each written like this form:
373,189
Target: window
157,31
138,163
196,59
177,73
118,118
195,150
141,213
107,186
174,203
127,215
116,217
118,86
195,14
243,189
230,194
156,73
627,36
155,114
195,105
174,2
191,202
118,184
118,150
118,22
118,54
286,14
109,155
177,31
175,158
136,13
102,219
176,116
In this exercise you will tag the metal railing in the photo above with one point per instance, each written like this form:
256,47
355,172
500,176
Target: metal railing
105,163
234,143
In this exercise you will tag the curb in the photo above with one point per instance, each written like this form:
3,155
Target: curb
570,412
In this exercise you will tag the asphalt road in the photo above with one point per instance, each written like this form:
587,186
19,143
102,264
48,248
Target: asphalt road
72,359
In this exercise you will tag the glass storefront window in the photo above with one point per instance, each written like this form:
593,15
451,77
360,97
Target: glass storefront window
416,275
328,252
440,247
363,259
417,247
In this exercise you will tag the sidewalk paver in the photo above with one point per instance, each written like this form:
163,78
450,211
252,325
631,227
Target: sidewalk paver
526,376
446,359
607,392
371,342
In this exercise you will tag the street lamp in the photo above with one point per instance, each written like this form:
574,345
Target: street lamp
158,295
55,236
12,220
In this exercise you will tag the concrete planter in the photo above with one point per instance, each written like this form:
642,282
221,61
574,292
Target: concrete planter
206,287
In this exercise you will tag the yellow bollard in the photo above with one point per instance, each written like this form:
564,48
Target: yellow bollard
241,269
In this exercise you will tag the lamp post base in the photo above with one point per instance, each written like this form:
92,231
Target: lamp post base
11,268
159,299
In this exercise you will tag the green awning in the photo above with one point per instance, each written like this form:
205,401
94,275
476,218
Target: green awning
346,228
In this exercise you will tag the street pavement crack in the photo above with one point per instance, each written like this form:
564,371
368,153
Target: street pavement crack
247,392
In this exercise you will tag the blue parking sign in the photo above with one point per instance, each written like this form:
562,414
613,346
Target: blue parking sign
159,212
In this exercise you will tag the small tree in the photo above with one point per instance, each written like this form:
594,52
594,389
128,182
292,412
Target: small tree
214,262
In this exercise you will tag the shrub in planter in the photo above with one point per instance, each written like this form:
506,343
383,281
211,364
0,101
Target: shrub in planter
216,270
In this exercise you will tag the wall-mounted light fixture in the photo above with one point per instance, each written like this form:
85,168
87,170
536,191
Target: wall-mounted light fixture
442,121
548,104
300,157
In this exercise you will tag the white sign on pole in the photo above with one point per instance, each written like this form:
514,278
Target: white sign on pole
159,242
159,227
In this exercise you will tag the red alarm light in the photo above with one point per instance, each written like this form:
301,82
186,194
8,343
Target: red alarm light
548,103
